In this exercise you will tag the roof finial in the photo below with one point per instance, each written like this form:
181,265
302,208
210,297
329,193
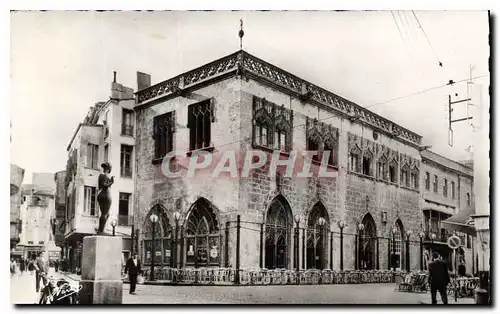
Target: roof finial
241,34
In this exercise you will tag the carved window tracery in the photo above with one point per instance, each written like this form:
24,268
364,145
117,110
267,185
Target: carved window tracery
272,125
382,167
367,163
200,118
393,171
414,178
163,237
323,138
354,156
163,132
405,171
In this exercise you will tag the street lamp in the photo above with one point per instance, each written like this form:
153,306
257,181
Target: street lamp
360,227
321,223
408,234
114,223
341,225
154,220
394,230
173,258
421,235
297,221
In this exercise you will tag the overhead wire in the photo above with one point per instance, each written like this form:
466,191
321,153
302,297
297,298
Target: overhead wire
427,38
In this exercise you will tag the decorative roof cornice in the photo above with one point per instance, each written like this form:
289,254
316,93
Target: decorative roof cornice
242,62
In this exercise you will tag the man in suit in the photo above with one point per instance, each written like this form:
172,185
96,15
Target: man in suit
42,270
438,278
133,268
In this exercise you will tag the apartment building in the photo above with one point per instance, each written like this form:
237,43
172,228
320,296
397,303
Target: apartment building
447,190
106,134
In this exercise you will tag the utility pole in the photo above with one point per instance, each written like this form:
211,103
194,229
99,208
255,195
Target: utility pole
450,110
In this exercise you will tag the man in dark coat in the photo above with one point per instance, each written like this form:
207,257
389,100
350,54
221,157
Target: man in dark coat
133,268
438,278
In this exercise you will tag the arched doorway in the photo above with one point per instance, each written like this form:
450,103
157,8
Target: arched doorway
278,233
397,256
160,250
202,236
367,243
316,240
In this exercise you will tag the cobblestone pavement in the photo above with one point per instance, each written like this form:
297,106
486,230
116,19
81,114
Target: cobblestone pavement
311,294
23,292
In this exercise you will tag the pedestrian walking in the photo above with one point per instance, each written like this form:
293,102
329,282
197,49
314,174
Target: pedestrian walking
439,278
42,270
56,265
22,265
12,267
31,265
133,268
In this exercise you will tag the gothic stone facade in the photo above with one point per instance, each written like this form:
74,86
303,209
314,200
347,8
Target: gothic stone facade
244,103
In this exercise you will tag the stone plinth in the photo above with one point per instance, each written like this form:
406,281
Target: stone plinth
101,270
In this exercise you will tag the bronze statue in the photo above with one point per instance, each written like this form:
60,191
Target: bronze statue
104,197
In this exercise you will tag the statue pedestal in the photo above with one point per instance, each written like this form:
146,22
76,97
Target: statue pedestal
101,270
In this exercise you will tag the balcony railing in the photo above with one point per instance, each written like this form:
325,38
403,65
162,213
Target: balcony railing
126,172
442,235
124,220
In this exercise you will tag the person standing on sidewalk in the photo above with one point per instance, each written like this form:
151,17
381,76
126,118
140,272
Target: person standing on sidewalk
133,268
439,278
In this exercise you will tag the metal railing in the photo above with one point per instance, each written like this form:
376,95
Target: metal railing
226,276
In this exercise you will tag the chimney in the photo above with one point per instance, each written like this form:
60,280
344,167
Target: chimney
143,81
114,76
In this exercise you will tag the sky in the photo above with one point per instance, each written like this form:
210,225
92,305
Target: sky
62,63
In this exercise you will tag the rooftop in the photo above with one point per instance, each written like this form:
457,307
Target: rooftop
241,62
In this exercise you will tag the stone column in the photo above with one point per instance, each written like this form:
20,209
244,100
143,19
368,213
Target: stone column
101,270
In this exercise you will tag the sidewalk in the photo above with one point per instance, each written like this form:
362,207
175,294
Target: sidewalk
451,300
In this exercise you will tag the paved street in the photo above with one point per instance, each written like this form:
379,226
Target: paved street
23,292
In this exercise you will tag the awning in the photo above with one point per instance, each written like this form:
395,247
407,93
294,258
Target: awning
461,222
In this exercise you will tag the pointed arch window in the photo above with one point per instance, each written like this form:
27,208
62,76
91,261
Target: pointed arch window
414,178
382,168
272,125
278,234
405,179
200,118
316,240
393,171
367,163
396,254
354,156
159,250
367,244
202,235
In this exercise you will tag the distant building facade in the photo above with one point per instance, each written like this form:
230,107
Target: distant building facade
37,215
106,134
16,180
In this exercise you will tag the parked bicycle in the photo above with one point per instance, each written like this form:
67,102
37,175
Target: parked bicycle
59,292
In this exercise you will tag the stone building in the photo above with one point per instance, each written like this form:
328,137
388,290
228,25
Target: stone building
106,134
241,103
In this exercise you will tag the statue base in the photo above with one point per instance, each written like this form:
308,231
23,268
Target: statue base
101,270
